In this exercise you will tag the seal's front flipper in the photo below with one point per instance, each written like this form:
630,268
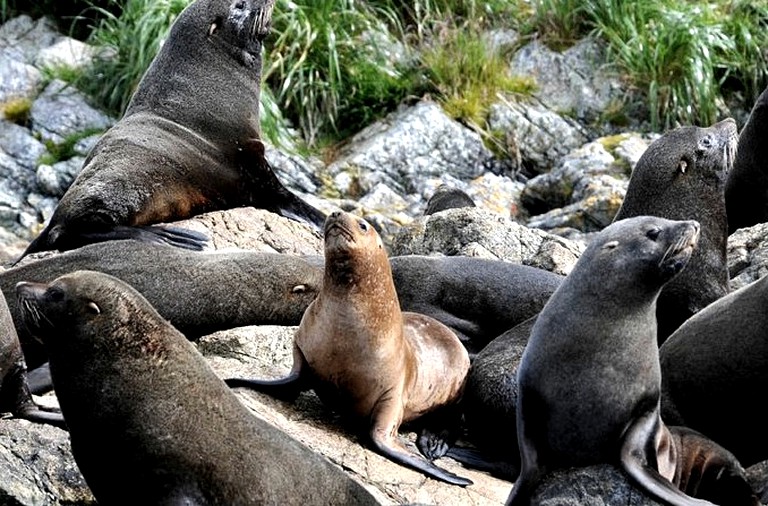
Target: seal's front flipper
287,388
475,459
271,194
37,414
15,397
647,444
158,234
39,379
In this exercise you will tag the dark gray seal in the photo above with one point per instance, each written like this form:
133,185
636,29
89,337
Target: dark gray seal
746,191
377,365
479,299
149,421
188,142
713,367
589,379
447,197
198,292
681,176
15,397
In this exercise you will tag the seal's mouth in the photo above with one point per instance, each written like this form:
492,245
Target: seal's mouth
334,228
678,254
263,20
28,296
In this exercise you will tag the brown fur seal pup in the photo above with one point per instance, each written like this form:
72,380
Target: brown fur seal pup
198,292
150,422
15,397
365,358
714,365
188,142
447,197
746,191
589,379
477,298
681,176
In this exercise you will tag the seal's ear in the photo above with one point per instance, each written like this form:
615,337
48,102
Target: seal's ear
299,289
93,308
682,166
212,29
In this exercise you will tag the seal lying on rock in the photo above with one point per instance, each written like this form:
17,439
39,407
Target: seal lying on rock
198,292
372,362
589,379
150,422
188,142
681,176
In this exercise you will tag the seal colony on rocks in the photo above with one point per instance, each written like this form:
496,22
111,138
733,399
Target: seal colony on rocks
188,142
368,360
149,420
681,176
589,379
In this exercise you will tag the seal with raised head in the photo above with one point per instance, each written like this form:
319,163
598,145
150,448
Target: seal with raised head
681,176
712,367
149,420
478,298
746,191
368,360
199,292
589,379
188,142
15,397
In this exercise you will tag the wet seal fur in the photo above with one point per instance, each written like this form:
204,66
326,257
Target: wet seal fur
188,142
746,192
365,358
149,420
681,176
714,364
198,292
589,379
15,397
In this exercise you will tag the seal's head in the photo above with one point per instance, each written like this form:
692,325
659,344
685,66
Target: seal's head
240,25
353,250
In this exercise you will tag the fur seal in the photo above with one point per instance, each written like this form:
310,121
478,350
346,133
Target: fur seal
188,142
370,361
198,292
15,397
447,197
681,176
477,298
589,379
746,191
149,420
714,364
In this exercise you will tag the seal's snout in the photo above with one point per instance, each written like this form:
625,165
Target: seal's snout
29,296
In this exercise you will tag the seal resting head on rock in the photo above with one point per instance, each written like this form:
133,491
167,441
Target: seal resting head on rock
150,422
188,143
589,379
370,361
681,176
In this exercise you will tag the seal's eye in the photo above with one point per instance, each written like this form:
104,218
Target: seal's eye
299,289
54,294
653,233
363,226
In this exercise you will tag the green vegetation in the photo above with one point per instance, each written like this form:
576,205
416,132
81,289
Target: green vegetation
334,66
17,110
65,149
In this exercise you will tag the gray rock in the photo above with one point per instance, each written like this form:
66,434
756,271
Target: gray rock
409,145
576,82
67,52
748,255
21,38
55,179
61,111
540,136
37,467
481,233
501,40
19,80
19,143
600,485
294,171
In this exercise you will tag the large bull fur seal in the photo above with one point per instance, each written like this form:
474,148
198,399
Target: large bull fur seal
149,420
188,142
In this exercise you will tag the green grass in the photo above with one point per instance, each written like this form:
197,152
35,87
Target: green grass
65,149
17,110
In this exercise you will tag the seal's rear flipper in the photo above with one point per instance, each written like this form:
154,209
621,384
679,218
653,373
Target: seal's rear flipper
475,459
